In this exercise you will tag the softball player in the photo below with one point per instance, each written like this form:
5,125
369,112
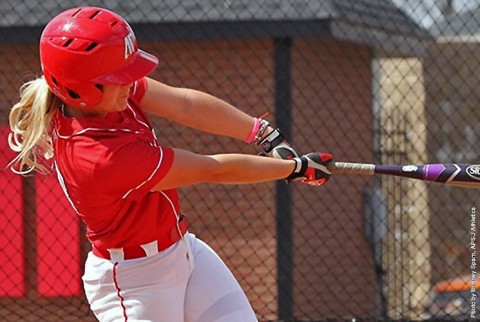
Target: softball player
87,110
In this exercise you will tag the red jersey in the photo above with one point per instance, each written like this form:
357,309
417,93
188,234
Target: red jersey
107,167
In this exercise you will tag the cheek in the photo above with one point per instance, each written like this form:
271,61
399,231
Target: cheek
120,103
109,102
115,99
110,99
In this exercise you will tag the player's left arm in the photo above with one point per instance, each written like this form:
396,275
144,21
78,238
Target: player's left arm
196,109
207,113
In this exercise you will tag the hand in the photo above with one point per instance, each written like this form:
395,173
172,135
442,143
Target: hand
312,168
274,145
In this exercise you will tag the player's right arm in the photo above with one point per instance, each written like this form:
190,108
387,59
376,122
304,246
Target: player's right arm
210,114
189,168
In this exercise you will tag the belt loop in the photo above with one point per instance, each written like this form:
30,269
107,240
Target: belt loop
177,232
116,254
150,248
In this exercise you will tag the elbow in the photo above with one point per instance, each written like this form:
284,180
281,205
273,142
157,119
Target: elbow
217,171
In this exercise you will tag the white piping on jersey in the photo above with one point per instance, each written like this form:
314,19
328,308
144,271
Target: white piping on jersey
141,122
64,188
135,88
150,177
177,217
136,118
126,130
93,129
171,204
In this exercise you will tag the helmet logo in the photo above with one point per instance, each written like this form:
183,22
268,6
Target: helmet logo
129,45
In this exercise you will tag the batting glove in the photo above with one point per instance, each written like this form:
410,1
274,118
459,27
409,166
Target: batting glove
274,145
312,168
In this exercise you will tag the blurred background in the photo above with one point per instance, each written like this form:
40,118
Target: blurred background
380,81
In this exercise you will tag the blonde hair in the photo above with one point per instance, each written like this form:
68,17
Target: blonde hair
30,122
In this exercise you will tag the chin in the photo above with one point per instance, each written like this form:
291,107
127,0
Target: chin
122,106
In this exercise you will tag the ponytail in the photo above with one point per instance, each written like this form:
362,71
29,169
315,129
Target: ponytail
30,123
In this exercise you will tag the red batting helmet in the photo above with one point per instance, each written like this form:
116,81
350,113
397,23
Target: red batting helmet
85,46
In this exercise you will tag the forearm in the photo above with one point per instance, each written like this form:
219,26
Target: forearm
244,169
210,114
197,110
189,168
219,117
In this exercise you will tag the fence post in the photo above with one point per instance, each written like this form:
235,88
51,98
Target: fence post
30,238
283,202
408,245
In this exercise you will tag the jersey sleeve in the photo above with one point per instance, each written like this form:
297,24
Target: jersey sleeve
138,89
133,169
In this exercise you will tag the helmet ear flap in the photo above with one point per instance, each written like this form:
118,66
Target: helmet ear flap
55,86
83,95
76,95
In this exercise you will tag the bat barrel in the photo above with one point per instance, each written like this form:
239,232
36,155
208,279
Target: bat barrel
461,175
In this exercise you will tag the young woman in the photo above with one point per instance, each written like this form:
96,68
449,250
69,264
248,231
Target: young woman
87,111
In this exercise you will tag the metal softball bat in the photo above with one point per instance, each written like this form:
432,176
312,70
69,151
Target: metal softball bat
460,175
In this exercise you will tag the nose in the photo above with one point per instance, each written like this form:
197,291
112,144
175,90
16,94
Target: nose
126,87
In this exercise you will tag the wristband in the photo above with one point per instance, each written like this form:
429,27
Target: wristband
253,133
263,127
301,165
271,140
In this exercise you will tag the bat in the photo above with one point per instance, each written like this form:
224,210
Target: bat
459,175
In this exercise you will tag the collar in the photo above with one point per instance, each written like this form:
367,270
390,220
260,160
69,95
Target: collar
66,127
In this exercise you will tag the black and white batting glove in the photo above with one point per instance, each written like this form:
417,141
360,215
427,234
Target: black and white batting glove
274,145
312,168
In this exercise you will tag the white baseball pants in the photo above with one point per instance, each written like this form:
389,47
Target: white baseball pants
168,286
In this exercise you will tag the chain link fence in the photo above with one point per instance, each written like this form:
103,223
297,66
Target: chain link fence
368,80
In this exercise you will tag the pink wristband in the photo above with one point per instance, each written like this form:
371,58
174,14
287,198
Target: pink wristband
253,133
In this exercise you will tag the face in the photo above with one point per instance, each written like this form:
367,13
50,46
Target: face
114,98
